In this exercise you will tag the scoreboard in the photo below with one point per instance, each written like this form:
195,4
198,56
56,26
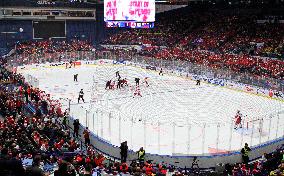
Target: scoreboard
129,13
128,24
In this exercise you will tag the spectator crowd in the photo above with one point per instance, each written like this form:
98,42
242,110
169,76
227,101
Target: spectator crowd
51,46
35,138
216,38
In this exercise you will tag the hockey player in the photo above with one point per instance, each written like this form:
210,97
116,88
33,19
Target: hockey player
137,80
119,84
108,84
70,64
76,78
112,85
146,81
161,72
198,82
117,75
124,82
278,94
81,96
238,120
137,92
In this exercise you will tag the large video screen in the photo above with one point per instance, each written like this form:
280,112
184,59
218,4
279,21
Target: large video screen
127,24
129,10
49,29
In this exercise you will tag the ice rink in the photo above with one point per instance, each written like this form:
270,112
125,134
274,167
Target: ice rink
173,116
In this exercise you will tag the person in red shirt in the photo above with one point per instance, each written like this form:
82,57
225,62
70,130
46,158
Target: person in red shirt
162,169
124,168
79,159
29,91
86,134
10,120
238,120
59,112
19,105
99,160
87,160
148,169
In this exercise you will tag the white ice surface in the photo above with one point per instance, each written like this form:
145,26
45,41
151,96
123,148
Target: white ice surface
173,116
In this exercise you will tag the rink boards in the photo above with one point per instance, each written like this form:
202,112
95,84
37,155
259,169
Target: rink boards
170,110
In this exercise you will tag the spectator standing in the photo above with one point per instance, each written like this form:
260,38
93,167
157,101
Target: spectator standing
26,96
195,166
86,134
123,151
35,169
141,155
62,170
9,165
64,121
245,153
76,125
44,106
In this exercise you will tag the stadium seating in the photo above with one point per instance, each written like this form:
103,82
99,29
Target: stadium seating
217,31
34,136
218,38
52,47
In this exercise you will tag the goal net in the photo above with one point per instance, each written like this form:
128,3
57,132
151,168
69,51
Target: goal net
31,80
70,65
255,125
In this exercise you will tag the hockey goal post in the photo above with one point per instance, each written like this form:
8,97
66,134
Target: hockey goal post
255,124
